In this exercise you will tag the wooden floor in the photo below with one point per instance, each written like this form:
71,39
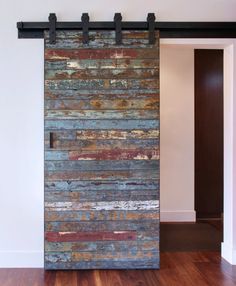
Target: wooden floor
177,268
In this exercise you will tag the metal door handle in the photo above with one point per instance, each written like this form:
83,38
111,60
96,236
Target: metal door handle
51,139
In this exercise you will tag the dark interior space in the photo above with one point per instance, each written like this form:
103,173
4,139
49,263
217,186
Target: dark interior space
207,233
200,236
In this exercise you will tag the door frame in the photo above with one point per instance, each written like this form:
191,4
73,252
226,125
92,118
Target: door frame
228,249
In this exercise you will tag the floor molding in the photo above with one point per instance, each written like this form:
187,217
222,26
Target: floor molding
228,253
21,259
178,216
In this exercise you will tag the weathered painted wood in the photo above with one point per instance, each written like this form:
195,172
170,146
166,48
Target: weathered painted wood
116,53
102,165
101,175
90,236
124,185
153,263
126,104
102,246
90,226
70,43
100,124
93,196
83,256
100,215
101,145
103,205
75,84
118,134
116,154
95,94
102,168
101,74
55,155
96,256
58,257
110,64
100,34
104,114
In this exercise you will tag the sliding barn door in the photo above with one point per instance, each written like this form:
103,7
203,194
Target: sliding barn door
101,151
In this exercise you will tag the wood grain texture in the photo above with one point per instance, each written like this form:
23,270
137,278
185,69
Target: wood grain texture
102,166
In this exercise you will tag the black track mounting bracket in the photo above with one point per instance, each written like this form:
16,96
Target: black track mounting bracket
118,28
52,28
85,27
151,28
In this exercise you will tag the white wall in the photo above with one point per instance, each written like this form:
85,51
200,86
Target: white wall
177,133
21,106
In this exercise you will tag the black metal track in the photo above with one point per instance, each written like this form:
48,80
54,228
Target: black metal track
34,30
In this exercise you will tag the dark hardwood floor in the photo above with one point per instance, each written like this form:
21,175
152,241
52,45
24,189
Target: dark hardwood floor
177,268
181,264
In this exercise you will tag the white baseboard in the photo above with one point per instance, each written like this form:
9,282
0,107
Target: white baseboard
228,253
21,259
178,216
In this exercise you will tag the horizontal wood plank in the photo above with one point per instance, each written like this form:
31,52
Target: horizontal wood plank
93,196
75,84
101,74
101,246
116,154
102,165
64,124
101,34
89,236
97,145
150,103
101,215
103,205
102,64
101,114
94,94
121,185
102,175
106,43
116,53
153,263
91,226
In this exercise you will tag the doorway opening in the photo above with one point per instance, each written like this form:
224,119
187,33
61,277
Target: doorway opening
187,213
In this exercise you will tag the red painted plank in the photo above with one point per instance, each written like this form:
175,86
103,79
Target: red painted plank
89,236
116,154
66,54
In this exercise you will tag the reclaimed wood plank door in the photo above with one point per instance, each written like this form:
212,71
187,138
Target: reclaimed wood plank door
101,151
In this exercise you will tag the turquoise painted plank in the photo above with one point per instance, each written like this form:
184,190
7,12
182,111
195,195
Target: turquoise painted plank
153,263
104,114
83,94
124,185
91,196
90,165
101,124
150,225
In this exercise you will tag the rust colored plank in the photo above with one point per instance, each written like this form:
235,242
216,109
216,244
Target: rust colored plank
101,175
89,236
117,134
116,154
